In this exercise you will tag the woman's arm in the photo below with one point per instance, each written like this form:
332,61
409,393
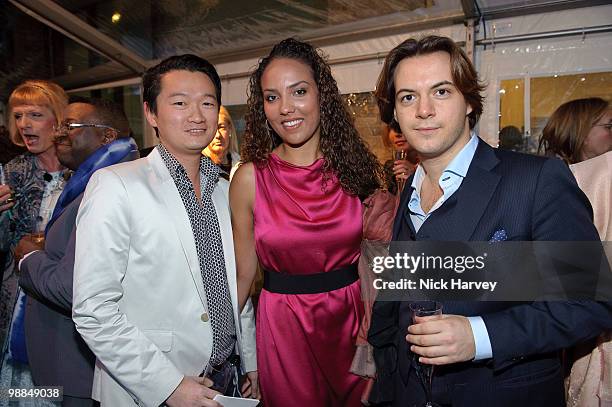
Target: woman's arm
242,198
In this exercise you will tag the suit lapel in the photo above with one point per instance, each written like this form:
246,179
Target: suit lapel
180,220
458,217
220,200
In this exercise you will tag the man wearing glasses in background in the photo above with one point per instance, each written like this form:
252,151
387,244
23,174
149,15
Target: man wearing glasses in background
94,135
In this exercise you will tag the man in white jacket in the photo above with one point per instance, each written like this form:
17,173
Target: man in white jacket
154,279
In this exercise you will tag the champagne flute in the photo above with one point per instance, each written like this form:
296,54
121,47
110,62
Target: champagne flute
400,155
4,182
425,371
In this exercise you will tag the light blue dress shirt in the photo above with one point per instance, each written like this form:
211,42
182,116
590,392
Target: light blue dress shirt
450,181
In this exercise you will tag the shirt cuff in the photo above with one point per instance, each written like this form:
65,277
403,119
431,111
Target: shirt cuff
25,256
481,338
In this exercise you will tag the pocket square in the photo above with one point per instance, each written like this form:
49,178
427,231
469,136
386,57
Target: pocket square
498,236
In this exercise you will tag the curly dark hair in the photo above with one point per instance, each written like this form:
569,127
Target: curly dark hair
345,153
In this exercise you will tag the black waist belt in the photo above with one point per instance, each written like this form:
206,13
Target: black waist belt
284,283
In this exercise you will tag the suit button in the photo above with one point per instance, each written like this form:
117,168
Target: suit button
204,317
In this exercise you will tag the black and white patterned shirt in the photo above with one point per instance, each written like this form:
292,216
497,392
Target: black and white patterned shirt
207,235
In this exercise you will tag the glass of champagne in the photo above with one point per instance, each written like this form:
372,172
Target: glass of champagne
3,181
425,371
400,155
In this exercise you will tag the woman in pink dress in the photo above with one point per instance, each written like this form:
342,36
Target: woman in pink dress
296,211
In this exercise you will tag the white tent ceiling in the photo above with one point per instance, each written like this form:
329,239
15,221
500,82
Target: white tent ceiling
131,35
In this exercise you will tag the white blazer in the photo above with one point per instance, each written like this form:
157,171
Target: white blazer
139,300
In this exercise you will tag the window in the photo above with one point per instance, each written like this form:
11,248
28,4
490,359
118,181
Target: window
540,97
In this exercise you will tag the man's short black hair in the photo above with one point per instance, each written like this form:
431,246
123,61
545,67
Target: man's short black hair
151,79
106,112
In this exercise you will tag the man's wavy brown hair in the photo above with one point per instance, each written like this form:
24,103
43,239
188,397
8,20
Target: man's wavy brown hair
345,153
464,75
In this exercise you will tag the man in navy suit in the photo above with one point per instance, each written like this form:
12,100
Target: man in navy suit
486,353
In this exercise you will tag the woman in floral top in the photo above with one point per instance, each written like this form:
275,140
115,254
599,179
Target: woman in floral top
34,181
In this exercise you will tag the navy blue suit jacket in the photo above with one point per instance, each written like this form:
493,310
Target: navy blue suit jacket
532,199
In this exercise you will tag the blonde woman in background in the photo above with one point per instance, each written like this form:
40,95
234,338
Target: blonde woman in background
35,180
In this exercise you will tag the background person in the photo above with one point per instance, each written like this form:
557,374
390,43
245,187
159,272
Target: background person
511,138
223,149
589,382
378,214
296,210
398,169
578,130
58,355
35,180
580,133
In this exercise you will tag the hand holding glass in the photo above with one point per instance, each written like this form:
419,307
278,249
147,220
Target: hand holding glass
38,230
425,371
6,195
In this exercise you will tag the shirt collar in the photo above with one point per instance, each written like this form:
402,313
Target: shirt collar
458,166
461,163
174,166
207,167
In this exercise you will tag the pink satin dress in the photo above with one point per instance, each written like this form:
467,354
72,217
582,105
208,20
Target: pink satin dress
306,342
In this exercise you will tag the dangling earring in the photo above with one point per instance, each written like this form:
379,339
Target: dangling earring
270,131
